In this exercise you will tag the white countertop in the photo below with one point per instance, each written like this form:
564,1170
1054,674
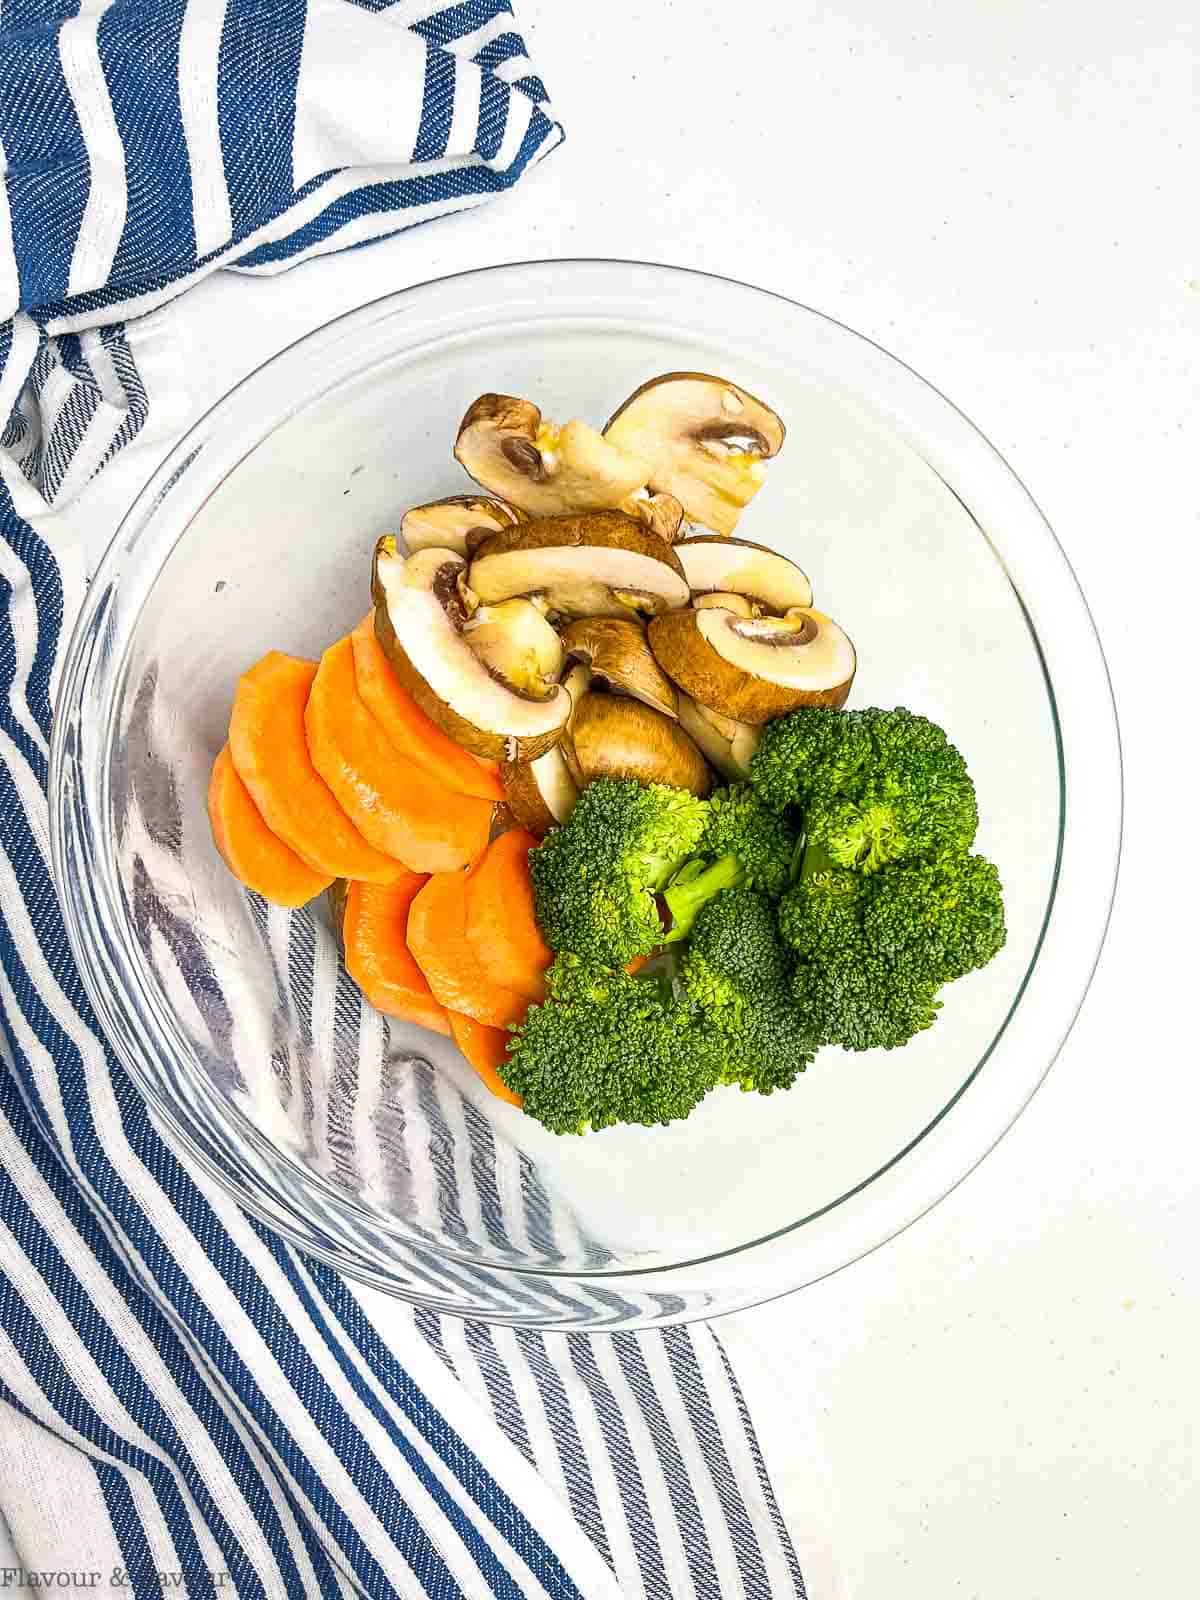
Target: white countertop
1002,1402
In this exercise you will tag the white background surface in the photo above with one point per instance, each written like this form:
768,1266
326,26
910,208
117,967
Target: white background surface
1003,1402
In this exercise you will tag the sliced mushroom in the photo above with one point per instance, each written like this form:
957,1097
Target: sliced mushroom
661,513
737,603
615,737
706,441
621,660
456,523
576,681
546,470
600,564
768,580
516,643
419,620
725,744
540,794
756,668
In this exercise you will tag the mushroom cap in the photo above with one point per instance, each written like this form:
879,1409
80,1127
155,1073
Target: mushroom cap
541,794
755,669
517,644
613,736
507,446
601,563
661,513
713,564
419,620
704,440
620,658
737,603
455,523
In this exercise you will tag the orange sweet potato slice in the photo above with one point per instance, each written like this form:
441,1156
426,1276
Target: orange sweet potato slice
270,752
408,728
375,939
248,847
501,924
394,803
437,938
485,1048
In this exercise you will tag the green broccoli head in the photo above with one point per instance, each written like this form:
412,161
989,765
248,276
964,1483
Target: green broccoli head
743,844
822,912
736,972
943,917
920,774
764,842
844,993
606,1048
873,951
809,754
595,879
862,1002
875,786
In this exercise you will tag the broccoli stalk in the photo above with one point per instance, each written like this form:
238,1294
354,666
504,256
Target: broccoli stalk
692,888
595,881
765,843
743,844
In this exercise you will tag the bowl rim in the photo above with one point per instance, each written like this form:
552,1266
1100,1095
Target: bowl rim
79,656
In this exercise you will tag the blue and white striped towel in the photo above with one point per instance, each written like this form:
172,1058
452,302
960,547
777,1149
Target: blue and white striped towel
185,1402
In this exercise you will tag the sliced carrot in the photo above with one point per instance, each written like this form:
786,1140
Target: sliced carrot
270,752
437,938
501,924
408,728
375,937
249,849
394,803
485,1048
635,966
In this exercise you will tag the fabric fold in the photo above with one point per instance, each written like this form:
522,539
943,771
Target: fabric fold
144,145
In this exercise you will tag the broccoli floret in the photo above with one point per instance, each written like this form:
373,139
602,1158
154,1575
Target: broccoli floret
875,787
764,842
736,971
606,1048
743,843
810,754
595,879
692,887
822,912
943,917
872,952
862,1002
846,991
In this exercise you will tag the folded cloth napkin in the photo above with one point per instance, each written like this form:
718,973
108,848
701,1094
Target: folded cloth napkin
186,1402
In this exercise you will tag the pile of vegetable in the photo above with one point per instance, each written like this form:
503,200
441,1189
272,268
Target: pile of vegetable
827,902
581,790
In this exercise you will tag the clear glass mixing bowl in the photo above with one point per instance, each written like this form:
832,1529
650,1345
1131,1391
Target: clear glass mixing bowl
371,1143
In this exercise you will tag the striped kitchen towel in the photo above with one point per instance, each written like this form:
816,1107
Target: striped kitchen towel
186,1402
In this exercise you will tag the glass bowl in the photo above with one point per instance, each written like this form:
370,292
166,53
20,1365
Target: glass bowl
370,1143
